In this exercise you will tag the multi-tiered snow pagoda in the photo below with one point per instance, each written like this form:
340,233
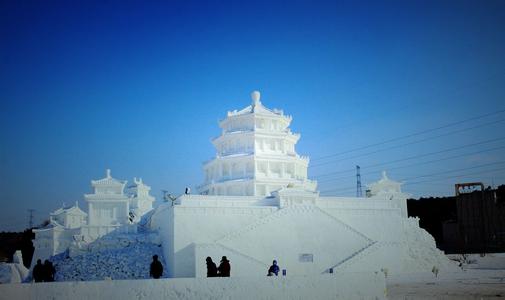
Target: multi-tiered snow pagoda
255,154
256,205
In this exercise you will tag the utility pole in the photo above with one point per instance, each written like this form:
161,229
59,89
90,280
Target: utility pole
30,218
359,192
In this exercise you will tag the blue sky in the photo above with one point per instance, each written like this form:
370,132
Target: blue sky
138,87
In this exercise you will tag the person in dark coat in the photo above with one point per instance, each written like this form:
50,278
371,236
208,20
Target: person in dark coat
38,271
211,267
274,269
156,270
49,271
224,267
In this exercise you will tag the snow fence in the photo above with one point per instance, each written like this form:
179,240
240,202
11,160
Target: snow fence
329,286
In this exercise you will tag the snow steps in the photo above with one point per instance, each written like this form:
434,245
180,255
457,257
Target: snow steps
262,221
356,256
347,226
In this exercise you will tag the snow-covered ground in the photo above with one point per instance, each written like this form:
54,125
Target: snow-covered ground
480,278
329,286
469,284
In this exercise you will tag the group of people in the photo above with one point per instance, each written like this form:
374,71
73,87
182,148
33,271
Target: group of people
43,272
156,270
222,271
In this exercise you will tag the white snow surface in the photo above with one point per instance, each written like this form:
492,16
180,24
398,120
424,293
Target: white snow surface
12,272
470,284
330,286
116,256
476,281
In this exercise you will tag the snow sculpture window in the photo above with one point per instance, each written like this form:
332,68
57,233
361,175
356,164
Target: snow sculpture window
306,257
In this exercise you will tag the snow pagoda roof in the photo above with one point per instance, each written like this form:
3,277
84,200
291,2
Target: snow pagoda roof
108,181
257,107
52,225
385,185
72,209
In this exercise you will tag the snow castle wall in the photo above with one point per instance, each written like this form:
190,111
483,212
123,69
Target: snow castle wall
305,235
331,286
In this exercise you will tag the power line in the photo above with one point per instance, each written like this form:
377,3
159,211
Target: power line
410,135
416,156
409,143
456,176
456,170
427,175
417,164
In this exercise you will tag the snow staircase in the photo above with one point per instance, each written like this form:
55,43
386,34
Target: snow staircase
355,257
369,240
251,227
282,212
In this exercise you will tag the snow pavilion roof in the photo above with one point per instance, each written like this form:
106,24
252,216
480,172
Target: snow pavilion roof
108,181
52,225
256,107
385,185
73,209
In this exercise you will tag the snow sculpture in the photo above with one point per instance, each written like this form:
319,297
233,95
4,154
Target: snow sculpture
108,205
140,200
389,190
71,217
258,205
14,272
110,210
57,236
255,154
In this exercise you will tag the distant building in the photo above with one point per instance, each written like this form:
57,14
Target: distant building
480,224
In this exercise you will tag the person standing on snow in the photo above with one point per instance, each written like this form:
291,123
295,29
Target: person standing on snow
48,271
224,267
274,269
156,268
211,268
38,271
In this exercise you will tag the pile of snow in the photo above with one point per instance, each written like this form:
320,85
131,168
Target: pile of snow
116,256
14,272
330,286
